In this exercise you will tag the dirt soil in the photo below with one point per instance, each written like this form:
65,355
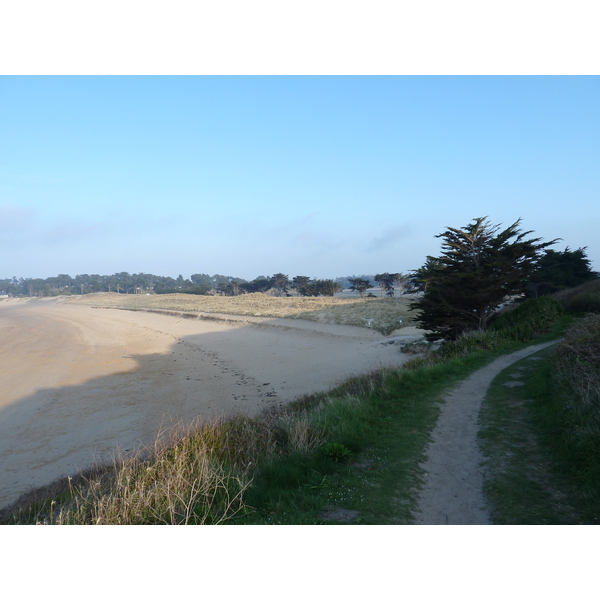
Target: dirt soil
453,491
78,382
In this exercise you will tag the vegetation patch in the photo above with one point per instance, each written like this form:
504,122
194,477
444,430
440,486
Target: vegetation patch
540,433
528,320
381,314
180,481
575,410
519,481
582,299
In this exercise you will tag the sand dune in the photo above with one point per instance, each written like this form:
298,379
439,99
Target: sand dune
79,382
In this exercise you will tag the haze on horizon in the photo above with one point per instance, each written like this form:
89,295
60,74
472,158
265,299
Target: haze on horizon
317,176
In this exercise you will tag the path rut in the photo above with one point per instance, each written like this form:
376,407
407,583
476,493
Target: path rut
453,490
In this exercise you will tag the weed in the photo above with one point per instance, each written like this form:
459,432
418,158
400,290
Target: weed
336,451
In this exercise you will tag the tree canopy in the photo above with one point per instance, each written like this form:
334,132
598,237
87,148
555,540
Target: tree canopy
479,267
560,270
360,285
388,281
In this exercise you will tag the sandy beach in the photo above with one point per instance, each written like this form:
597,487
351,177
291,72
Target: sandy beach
79,383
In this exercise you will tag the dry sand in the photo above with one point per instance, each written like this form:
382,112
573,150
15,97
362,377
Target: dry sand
78,382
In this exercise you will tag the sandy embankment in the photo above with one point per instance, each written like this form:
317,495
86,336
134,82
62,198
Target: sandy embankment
77,382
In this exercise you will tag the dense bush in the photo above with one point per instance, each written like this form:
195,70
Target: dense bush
583,299
576,407
530,319
577,361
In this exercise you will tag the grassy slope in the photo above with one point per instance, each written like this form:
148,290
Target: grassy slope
386,426
542,439
530,478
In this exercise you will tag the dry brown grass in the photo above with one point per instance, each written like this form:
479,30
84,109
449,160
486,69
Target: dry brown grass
197,474
577,362
246,304
381,314
179,481
583,298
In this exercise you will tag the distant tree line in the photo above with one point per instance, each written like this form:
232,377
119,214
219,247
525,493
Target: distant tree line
278,284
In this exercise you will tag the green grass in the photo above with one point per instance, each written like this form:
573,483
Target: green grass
520,483
385,422
542,455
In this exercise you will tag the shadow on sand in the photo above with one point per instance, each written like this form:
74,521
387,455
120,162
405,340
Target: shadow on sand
247,369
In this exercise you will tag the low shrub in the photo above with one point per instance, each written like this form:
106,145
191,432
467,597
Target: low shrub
569,409
581,299
577,364
529,320
585,302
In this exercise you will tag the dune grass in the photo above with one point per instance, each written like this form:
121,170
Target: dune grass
181,480
380,314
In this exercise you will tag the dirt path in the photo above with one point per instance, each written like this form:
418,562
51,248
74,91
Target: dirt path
453,492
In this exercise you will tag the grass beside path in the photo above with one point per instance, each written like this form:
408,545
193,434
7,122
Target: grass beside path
542,459
520,482
385,422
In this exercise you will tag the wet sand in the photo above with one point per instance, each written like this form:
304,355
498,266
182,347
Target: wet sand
77,383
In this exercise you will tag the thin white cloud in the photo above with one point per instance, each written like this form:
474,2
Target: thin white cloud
388,238
70,231
17,223
15,216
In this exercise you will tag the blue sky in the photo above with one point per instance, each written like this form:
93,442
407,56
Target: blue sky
321,176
